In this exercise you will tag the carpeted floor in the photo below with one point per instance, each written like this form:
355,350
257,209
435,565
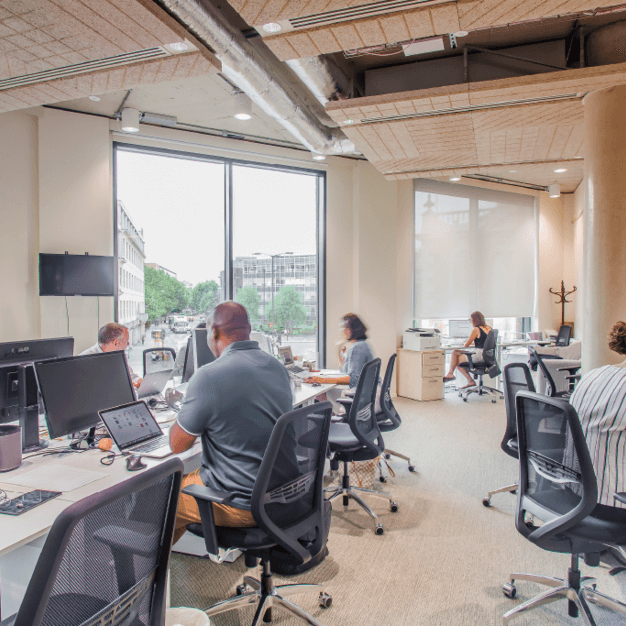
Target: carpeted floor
443,557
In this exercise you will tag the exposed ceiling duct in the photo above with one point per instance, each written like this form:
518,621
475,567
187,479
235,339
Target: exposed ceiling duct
244,66
324,81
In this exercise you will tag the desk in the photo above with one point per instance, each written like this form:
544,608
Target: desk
23,537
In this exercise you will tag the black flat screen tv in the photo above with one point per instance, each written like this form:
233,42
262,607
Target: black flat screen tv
76,275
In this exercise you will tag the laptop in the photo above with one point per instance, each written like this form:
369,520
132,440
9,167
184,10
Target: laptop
286,357
153,383
134,429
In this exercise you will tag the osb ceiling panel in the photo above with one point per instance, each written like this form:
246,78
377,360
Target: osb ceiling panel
174,68
435,18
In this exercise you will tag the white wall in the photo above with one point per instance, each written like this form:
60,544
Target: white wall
19,279
573,255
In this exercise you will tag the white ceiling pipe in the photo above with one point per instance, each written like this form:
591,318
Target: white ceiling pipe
245,67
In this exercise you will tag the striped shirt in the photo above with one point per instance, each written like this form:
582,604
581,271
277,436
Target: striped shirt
600,401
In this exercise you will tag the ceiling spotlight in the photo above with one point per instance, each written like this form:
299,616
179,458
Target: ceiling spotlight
179,46
272,27
95,98
554,191
455,179
560,170
319,157
130,120
243,107
461,33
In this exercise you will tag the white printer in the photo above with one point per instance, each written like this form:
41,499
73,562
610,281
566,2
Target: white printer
420,339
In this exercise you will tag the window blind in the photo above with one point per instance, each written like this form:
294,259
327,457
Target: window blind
475,250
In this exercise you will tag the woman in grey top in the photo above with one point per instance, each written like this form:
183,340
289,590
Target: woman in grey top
357,351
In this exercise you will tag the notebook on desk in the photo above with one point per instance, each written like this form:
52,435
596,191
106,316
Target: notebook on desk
134,429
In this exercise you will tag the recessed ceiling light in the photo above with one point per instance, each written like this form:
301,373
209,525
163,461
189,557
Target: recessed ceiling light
319,157
461,33
561,170
179,46
512,171
272,27
348,121
455,179
95,98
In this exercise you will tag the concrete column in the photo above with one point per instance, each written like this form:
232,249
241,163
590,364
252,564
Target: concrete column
604,236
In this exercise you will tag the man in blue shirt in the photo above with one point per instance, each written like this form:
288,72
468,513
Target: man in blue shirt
232,404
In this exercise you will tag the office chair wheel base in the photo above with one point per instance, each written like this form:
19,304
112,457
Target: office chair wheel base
241,589
487,502
383,479
326,600
509,590
394,507
379,529
411,468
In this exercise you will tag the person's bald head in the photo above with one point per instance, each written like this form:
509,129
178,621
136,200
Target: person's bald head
229,323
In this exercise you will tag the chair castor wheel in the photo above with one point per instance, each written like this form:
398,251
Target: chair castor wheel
394,507
387,456
493,401
325,600
379,529
486,501
383,479
411,468
460,395
509,590
464,399
241,589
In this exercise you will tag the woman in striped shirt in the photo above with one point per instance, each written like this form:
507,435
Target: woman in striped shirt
600,401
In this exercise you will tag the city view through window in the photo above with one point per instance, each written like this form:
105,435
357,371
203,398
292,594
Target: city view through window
172,268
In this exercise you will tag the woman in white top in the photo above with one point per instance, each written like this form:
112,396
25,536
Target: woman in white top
600,401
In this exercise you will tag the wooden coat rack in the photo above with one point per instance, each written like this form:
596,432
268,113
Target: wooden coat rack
562,295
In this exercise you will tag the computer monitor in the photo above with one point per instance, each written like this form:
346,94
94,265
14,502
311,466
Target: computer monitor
19,393
76,388
460,329
188,366
285,355
201,352
263,341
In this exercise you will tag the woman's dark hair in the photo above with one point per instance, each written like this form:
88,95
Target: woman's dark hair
356,327
617,338
478,319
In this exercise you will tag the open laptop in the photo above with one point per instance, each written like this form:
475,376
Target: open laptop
286,357
153,383
134,429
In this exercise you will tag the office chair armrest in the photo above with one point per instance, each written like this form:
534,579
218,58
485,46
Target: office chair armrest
620,497
349,393
572,369
205,497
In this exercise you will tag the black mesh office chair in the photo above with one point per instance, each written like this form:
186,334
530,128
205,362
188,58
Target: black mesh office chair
486,365
359,440
564,336
158,359
551,389
289,509
516,377
105,558
558,487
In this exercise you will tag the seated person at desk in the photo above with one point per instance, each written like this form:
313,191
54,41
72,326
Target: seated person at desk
113,337
477,337
232,404
600,401
356,352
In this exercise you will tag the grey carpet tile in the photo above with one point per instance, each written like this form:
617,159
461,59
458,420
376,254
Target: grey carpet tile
444,556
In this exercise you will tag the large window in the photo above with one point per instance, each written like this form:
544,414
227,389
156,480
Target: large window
193,231
475,249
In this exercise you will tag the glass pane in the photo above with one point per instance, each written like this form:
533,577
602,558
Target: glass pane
275,254
170,248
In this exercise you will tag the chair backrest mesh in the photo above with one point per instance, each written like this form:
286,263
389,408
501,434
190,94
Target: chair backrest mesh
362,418
550,384
489,348
564,336
517,377
556,474
289,488
388,409
110,557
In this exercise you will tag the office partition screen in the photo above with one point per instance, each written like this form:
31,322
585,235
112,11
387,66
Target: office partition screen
188,230
475,249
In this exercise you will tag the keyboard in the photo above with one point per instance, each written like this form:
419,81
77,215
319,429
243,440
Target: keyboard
154,444
295,369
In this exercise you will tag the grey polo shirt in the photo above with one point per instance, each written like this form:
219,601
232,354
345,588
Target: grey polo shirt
233,404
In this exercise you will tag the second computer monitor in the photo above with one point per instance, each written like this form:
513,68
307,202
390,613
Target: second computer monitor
76,388
188,366
461,329
201,352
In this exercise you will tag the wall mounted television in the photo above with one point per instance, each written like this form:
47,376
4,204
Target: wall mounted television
76,275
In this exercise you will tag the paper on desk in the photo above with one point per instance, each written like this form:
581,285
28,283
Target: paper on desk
56,478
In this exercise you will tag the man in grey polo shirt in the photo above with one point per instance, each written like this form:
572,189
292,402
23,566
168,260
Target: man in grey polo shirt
232,404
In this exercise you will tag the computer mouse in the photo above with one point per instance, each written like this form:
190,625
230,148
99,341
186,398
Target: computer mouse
134,463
